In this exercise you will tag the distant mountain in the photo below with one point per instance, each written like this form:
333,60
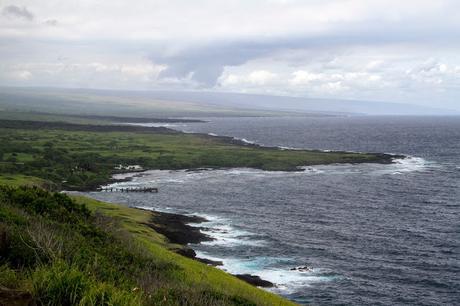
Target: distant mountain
192,104
296,104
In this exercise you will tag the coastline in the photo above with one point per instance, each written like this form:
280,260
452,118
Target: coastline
381,158
155,148
177,229
184,229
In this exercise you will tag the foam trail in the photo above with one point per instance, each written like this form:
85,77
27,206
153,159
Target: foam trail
158,124
150,208
246,141
410,164
224,234
269,268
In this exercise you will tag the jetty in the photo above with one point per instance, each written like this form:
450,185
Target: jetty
129,189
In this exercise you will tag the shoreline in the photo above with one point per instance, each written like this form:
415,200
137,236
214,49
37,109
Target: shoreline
389,158
382,158
177,229
157,148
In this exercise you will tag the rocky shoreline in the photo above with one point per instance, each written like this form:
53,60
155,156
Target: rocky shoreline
177,229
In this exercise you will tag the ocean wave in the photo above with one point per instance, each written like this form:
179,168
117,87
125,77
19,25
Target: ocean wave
274,269
158,124
224,234
410,164
311,170
159,209
397,167
245,140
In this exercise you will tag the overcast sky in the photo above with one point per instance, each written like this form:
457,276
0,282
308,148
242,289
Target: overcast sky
396,51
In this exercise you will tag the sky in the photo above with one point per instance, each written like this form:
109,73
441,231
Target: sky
374,50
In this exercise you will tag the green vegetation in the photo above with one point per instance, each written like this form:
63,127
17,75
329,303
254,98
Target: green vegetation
72,156
62,250
55,250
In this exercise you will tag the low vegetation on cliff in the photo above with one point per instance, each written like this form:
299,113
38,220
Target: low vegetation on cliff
55,250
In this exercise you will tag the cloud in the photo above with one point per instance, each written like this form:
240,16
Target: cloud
256,78
51,22
22,75
207,62
141,74
432,72
17,12
359,49
302,77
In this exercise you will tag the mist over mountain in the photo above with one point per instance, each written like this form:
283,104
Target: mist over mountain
193,104
298,104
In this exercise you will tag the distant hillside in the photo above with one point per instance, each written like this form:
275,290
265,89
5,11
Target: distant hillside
191,104
114,103
300,105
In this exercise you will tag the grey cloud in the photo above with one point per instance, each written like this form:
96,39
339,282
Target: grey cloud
51,22
18,12
207,62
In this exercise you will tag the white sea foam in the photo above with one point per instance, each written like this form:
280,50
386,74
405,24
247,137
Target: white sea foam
123,176
159,209
269,268
246,141
224,234
311,170
409,164
288,148
156,124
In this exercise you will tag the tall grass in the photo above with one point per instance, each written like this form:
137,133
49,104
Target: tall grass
64,254
63,284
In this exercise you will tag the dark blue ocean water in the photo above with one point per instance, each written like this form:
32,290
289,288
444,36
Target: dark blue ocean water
372,234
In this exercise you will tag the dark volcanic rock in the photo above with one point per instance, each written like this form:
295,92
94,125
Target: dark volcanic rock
302,269
186,252
255,280
176,227
210,262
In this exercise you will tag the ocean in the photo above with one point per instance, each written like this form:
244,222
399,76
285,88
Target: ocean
370,234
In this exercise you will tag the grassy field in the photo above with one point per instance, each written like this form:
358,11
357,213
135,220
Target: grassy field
72,156
55,250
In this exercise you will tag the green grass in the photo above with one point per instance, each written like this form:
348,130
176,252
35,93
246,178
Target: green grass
78,251
21,180
74,159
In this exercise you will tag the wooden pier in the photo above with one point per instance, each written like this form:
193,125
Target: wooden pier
129,189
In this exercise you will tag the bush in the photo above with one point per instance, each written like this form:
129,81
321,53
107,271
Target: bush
62,284
56,206
104,294
8,277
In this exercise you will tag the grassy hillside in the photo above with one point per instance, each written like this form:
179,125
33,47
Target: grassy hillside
76,156
116,103
55,250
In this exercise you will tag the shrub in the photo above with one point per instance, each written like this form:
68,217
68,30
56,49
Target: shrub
63,284
59,284
56,206
104,294
8,277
